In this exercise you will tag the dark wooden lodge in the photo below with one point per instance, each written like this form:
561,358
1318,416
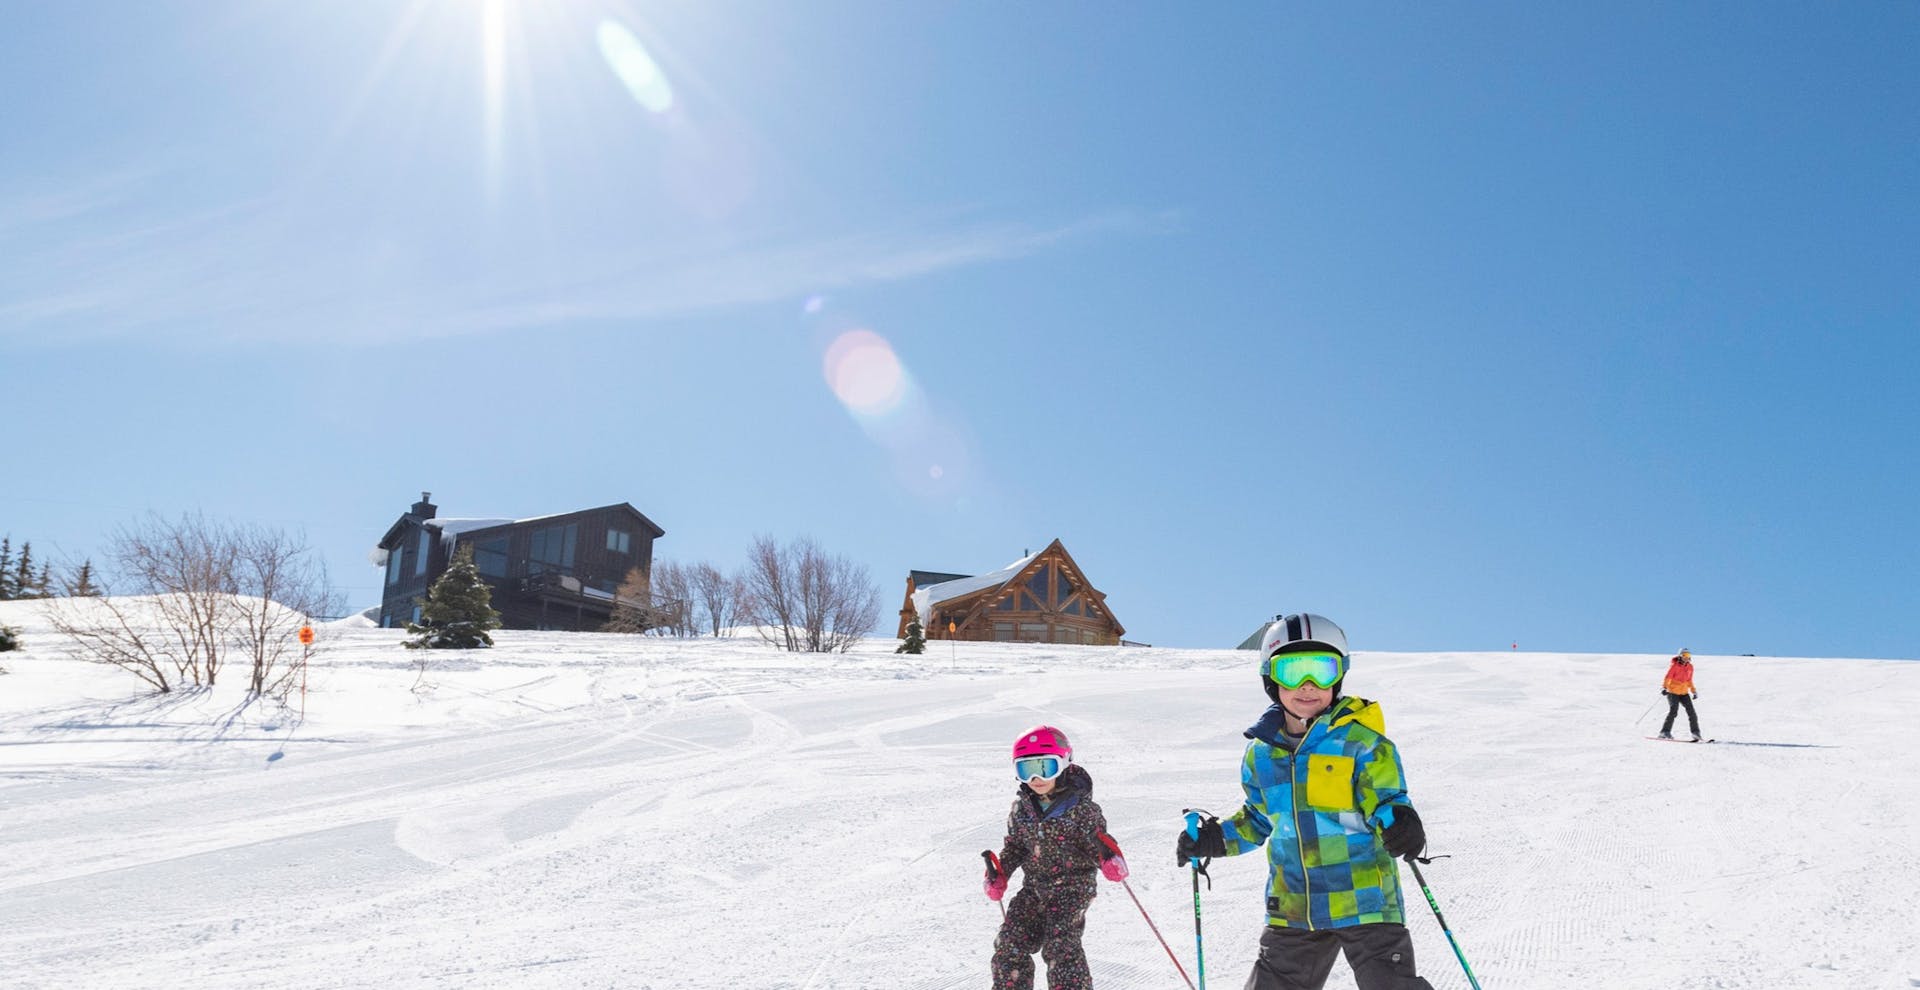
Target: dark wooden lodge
1041,598
549,572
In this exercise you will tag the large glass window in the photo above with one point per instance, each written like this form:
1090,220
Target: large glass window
1034,632
393,567
1003,632
1005,604
490,556
426,544
552,548
1038,584
619,541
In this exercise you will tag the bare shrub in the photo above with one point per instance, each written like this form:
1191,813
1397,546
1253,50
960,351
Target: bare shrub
633,610
804,599
280,583
673,600
199,590
718,597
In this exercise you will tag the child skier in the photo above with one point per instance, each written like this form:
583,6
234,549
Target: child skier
1679,691
1058,835
1326,796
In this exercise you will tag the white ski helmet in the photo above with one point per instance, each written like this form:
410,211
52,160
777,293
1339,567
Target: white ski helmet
1300,631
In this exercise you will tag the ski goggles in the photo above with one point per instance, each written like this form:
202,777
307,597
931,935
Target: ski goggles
1039,767
1290,670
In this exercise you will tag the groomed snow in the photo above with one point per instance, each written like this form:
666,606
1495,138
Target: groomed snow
580,810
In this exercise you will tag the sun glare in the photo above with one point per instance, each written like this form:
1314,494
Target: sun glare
864,373
637,70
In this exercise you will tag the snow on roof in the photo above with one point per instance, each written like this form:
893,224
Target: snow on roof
925,598
454,527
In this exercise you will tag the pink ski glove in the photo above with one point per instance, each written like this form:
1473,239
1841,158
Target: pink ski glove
1114,868
996,882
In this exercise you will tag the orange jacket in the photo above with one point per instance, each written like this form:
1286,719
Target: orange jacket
1679,677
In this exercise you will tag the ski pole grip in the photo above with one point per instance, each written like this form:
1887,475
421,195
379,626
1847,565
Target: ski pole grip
1193,825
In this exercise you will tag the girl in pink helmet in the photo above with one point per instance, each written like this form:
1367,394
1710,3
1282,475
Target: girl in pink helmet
1057,835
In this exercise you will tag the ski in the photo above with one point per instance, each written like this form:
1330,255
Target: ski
1671,739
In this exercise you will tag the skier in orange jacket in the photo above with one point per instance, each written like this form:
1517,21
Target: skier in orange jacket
1679,690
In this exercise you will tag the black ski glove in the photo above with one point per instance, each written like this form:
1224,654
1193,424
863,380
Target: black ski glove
1404,837
1210,843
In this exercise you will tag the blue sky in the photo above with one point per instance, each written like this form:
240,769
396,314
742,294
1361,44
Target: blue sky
1468,326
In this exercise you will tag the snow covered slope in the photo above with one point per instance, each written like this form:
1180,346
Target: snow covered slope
597,811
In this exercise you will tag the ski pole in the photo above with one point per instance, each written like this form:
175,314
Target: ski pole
1156,932
1199,944
1649,711
1435,905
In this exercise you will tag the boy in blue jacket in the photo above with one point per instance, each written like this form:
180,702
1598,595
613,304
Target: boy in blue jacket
1325,795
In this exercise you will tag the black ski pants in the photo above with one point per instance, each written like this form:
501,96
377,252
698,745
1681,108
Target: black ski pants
1296,959
1674,703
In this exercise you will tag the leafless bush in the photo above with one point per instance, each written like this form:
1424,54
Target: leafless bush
203,588
718,597
633,610
673,600
280,584
806,600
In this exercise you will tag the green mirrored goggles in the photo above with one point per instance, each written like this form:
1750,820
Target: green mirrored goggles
1290,670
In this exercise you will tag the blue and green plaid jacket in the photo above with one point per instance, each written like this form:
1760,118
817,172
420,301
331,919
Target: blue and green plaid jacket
1317,810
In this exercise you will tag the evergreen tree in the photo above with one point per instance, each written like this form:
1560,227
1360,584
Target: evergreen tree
43,585
9,639
916,641
457,611
22,583
6,568
82,585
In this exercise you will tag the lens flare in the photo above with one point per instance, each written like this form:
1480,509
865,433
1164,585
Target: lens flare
864,373
637,70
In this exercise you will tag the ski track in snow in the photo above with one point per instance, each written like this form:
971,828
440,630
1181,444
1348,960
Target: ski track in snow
625,812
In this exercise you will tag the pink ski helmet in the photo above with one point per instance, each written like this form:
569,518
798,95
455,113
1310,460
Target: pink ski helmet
1043,740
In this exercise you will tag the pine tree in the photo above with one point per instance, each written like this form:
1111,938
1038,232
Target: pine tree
43,585
82,585
9,640
6,568
22,582
457,611
916,641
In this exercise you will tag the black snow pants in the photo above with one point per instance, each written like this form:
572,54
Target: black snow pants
1296,959
1046,918
1674,703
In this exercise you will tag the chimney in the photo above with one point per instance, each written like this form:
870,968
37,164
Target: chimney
423,508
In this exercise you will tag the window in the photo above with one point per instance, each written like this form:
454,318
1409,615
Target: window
1075,608
1038,584
1034,632
490,556
619,542
393,567
552,548
1005,604
1003,632
426,544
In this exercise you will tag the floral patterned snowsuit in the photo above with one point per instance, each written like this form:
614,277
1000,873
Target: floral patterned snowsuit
1059,846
